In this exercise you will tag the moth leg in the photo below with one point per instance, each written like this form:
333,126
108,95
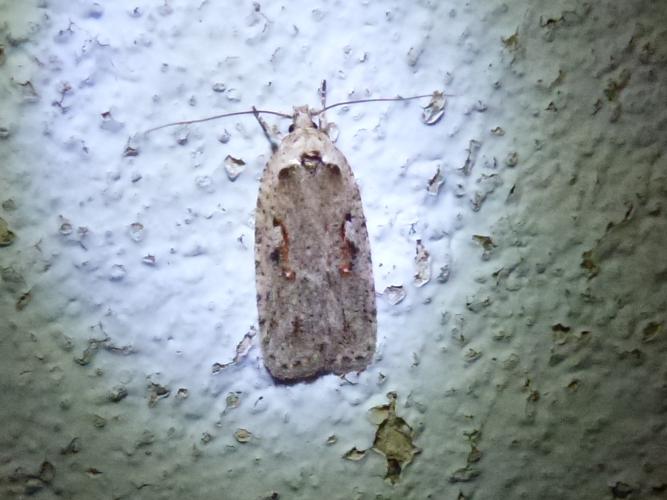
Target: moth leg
328,128
323,99
266,130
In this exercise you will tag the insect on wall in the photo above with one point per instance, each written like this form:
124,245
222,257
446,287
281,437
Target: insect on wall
313,263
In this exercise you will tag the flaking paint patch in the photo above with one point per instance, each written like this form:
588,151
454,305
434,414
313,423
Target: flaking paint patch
314,277
393,439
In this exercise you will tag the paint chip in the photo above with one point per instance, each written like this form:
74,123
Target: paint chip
473,148
24,300
9,204
589,263
47,472
614,87
394,440
242,350
422,265
354,454
72,447
512,159
234,167
242,435
485,241
651,331
435,183
464,474
435,109
512,41
155,393
232,400
395,294
137,231
7,236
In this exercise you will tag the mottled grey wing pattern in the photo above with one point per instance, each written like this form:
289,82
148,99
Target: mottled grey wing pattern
314,277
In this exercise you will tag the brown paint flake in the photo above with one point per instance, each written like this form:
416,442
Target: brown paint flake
512,41
589,263
652,331
7,236
485,241
242,435
155,393
393,439
24,300
614,87
355,454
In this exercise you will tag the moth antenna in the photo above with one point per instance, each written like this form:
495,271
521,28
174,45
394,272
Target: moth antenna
380,99
216,117
322,91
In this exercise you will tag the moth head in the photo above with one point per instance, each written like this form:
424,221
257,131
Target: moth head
302,118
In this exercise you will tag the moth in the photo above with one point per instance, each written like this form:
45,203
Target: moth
313,264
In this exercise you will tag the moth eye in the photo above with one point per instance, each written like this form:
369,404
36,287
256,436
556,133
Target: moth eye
348,217
291,128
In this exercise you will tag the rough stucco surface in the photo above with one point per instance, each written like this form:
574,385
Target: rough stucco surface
530,366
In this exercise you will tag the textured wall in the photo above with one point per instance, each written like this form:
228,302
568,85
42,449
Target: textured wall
531,365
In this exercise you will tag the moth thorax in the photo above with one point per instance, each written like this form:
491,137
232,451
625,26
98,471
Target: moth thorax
311,160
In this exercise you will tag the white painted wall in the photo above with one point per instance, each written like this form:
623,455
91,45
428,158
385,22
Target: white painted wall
551,372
